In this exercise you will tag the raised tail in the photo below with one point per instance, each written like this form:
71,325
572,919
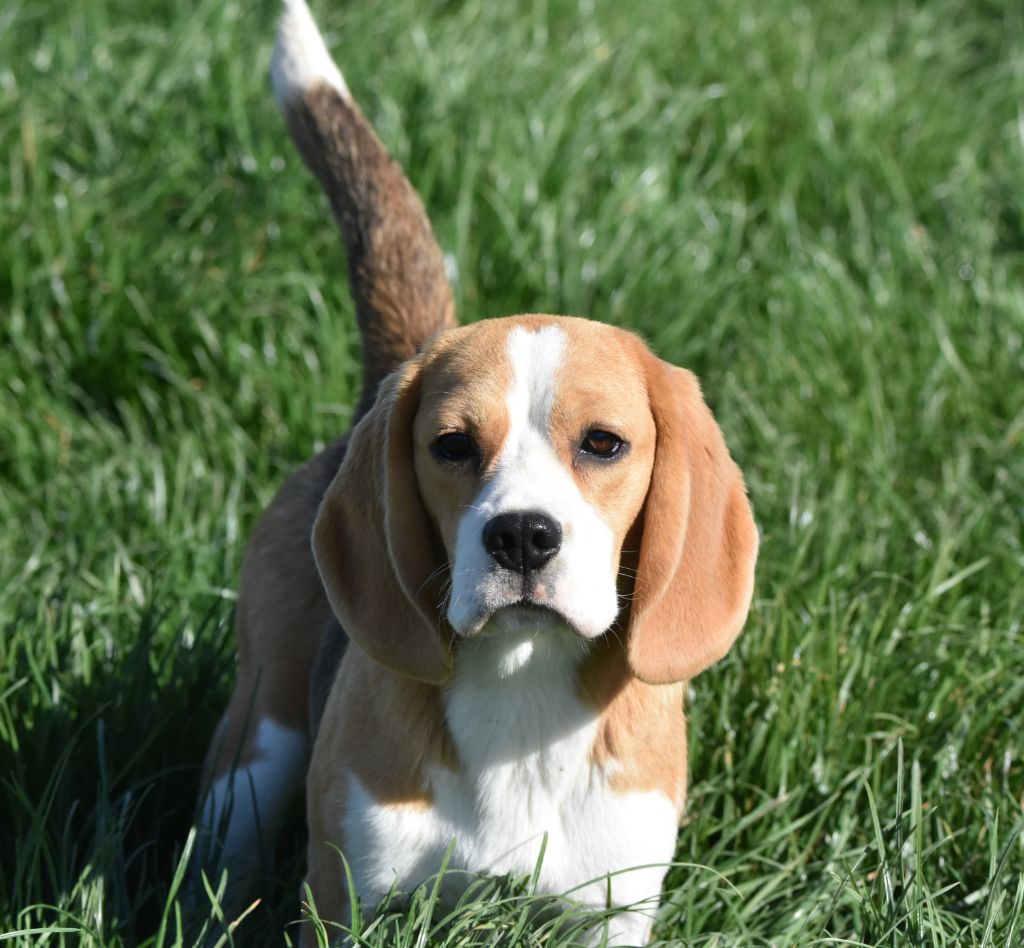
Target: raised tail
396,270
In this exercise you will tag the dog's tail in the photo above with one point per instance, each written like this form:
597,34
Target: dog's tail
396,270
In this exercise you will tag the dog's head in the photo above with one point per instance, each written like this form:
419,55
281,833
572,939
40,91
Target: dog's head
538,464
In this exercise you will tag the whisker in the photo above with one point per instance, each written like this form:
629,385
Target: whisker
433,575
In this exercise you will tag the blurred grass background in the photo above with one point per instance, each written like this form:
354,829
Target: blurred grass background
817,207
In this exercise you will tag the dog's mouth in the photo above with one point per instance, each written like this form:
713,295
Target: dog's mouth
538,603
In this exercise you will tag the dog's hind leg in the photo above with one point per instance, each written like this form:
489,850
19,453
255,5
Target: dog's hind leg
254,770
257,760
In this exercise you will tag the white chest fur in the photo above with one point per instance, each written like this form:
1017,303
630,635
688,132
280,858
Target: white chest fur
524,741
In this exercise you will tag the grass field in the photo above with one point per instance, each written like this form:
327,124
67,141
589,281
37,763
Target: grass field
817,207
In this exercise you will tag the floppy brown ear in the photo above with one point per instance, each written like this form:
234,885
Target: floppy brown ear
699,543
374,548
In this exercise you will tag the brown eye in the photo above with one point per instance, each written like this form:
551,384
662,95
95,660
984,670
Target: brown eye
455,448
601,444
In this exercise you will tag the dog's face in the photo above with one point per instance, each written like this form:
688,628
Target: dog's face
533,450
522,467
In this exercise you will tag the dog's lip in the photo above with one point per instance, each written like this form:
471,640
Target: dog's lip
528,603
526,607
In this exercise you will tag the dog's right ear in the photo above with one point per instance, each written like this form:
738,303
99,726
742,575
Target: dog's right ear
378,558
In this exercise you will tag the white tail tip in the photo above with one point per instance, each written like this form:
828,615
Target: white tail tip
301,60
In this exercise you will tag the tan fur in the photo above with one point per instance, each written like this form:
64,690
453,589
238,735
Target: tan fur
384,730
641,739
392,728
466,375
602,385
696,567
379,560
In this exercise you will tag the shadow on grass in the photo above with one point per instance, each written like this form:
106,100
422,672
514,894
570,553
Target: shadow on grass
100,778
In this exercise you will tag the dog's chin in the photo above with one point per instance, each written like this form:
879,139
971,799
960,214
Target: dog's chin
515,637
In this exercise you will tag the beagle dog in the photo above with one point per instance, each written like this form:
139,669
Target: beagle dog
472,618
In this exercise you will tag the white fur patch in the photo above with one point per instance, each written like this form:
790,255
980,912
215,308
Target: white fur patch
245,807
579,581
301,60
524,743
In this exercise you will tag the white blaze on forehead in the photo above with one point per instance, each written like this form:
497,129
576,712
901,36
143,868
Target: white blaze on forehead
529,476
536,359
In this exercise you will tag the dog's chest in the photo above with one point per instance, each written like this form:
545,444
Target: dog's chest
524,743
526,779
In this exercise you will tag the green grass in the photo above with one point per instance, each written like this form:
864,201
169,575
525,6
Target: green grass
819,208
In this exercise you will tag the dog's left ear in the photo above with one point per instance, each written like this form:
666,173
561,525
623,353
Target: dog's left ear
699,543
378,558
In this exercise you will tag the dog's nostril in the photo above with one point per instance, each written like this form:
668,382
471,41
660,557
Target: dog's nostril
545,538
503,540
522,541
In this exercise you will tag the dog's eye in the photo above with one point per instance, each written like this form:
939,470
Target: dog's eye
455,448
601,444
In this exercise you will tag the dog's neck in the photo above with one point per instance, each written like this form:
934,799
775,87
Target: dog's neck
515,694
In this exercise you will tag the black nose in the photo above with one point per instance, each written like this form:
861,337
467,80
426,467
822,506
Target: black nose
522,541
